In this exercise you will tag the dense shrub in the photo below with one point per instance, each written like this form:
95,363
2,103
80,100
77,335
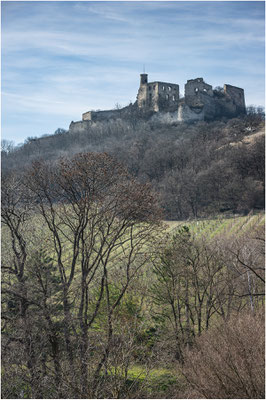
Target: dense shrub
228,362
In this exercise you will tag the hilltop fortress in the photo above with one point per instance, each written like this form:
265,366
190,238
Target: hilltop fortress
161,102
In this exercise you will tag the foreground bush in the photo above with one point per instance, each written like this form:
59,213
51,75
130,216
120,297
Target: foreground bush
228,362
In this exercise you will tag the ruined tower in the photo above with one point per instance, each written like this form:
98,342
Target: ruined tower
157,96
199,98
143,79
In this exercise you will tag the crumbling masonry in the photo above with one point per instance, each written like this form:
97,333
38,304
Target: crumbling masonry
161,102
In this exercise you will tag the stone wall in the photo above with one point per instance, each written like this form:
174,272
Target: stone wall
237,96
157,96
79,126
142,96
101,115
105,115
168,96
183,113
196,86
188,114
87,116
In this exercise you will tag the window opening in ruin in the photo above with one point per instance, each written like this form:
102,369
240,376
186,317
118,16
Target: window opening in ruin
163,87
169,88
167,96
196,89
173,98
205,90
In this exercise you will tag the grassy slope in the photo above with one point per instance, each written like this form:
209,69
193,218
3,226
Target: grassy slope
162,378
220,226
210,229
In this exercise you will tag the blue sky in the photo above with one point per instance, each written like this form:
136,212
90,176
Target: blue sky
60,59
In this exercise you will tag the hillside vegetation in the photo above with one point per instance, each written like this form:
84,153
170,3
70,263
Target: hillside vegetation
100,297
218,227
199,169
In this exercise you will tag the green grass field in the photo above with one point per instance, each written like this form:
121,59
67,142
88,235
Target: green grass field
221,226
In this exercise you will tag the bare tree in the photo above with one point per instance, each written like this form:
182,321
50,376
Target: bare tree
16,216
100,223
243,257
228,361
190,280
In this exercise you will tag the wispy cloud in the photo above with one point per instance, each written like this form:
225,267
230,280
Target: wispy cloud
60,59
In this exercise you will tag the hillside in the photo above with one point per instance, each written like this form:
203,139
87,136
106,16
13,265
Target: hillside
219,227
197,169
100,299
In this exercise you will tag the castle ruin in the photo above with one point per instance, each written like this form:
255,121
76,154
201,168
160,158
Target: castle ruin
161,102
